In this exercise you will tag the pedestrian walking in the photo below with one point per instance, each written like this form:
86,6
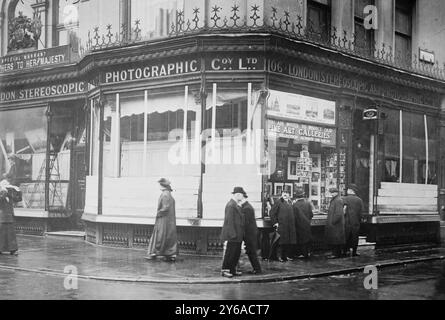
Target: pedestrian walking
303,216
250,235
8,196
163,241
335,224
282,217
232,233
354,210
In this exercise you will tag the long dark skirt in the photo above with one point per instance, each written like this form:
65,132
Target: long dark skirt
8,240
163,241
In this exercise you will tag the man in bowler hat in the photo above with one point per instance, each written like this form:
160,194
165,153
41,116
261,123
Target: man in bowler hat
232,233
354,210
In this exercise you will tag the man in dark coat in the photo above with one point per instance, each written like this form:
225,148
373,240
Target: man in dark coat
335,224
232,233
282,217
251,235
354,209
303,216
8,196
163,241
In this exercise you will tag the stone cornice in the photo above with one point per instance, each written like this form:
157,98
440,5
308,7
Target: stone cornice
264,44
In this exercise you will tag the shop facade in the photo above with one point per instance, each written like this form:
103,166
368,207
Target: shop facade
42,138
263,113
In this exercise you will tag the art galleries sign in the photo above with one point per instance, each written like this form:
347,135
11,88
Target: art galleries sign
301,132
35,59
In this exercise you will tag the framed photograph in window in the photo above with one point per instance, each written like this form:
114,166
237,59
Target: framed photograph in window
289,187
278,188
292,168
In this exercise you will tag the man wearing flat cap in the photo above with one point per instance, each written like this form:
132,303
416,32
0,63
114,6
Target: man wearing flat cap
163,241
335,224
354,210
232,233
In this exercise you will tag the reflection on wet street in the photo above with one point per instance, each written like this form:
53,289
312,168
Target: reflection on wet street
416,281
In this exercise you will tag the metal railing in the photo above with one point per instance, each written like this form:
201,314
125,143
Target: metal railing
277,22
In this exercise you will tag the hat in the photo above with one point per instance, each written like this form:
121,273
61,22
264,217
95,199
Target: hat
354,188
239,190
332,190
12,156
165,183
299,193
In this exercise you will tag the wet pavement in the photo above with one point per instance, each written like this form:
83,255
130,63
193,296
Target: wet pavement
50,256
422,281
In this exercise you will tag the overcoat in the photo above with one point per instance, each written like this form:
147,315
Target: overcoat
233,227
303,215
163,241
282,213
335,224
250,227
354,211
8,240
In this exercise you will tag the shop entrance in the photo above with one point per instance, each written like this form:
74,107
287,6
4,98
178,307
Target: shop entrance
362,156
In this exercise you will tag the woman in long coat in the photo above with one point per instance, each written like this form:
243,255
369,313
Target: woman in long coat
8,241
282,217
163,241
335,224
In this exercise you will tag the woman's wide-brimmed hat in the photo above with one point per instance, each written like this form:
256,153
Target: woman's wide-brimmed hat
165,183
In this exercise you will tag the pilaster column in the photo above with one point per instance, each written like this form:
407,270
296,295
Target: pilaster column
441,160
385,32
40,8
342,18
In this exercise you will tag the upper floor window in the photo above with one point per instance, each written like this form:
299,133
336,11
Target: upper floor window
66,21
403,31
364,39
155,16
318,19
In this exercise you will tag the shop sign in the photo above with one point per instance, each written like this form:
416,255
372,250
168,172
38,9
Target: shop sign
343,81
301,133
301,108
370,114
161,69
50,91
35,59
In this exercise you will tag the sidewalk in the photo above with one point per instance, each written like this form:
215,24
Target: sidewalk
51,256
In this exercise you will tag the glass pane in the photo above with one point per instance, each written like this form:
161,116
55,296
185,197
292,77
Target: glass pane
389,147
433,143
403,22
23,136
156,17
68,12
414,152
359,6
63,37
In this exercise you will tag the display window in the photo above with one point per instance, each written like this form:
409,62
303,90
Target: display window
23,143
407,148
302,148
24,154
